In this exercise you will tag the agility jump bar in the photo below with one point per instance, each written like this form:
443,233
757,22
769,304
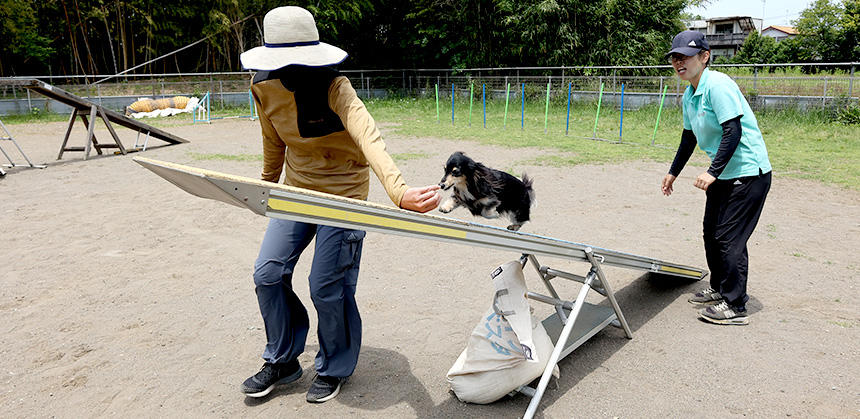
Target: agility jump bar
286,202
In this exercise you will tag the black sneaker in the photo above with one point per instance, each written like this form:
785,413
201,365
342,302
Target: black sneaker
324,388
263,382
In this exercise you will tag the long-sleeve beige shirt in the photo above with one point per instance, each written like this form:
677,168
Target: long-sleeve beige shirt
336,163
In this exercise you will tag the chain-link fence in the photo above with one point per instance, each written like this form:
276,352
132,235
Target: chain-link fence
800,86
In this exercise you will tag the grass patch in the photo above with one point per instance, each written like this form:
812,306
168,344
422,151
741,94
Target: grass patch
401,157
804,145
229,157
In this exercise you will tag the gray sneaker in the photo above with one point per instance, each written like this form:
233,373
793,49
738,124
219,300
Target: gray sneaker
723,313
706,296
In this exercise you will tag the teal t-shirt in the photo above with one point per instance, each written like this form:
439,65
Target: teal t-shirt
717,100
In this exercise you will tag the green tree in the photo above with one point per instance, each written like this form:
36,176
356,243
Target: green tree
819,29
22,39
757,49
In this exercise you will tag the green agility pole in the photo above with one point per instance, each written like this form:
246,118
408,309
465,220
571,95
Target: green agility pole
437,103
599,100
507,96
471,97
546,109
659,111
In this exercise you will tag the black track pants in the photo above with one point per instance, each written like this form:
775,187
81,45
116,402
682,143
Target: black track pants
732,210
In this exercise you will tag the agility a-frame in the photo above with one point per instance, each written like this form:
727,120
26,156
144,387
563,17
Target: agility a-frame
88,111
572,323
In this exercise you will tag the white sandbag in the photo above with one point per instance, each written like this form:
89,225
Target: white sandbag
507,349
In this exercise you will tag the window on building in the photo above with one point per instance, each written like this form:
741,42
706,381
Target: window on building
723,28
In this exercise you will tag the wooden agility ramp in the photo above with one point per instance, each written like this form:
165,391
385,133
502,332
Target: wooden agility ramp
88,111
574,321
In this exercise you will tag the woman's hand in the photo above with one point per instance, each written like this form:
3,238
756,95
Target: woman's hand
421,199
668,180
704,180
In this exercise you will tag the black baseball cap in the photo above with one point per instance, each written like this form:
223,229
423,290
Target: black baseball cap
689,43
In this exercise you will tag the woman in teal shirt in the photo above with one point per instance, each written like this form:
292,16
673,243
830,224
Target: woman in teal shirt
718,118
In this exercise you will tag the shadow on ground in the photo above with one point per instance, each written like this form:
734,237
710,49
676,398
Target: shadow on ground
385,377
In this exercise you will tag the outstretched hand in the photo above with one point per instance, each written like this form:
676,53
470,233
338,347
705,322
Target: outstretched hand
421,199
668,180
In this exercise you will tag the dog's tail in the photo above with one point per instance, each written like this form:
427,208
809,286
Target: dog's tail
528,182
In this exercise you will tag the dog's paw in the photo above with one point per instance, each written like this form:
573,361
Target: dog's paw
514,227
447,206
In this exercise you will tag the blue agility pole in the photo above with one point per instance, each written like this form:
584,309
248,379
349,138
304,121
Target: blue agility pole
437,103
621,122
546,110
252,105
484,101
659,111
523,111
507,95
599,100
471,96
452,104
567,123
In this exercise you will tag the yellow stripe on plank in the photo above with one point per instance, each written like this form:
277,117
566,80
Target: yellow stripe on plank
680,271
366,219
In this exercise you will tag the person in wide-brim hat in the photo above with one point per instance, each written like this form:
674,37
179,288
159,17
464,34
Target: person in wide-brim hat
317,132
290,37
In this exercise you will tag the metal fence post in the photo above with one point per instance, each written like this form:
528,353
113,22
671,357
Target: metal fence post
661,85
221,93
614,88
824,96
755,79
851,83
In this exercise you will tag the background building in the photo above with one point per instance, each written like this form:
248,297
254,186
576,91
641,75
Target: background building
726,34
780,32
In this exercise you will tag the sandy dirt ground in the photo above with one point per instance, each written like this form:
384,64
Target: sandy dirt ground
120,294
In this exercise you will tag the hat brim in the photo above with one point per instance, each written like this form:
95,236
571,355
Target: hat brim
272,58
688,51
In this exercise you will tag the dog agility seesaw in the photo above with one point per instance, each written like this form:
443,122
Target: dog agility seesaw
573,322
88,111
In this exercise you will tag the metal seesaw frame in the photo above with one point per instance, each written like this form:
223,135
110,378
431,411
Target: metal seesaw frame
573,323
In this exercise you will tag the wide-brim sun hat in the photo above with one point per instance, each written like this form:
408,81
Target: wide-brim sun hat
290,37
689,43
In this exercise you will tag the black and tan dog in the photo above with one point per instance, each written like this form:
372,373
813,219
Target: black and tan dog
485,191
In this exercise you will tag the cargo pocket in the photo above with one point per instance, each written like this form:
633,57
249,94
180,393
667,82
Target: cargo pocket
350,250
